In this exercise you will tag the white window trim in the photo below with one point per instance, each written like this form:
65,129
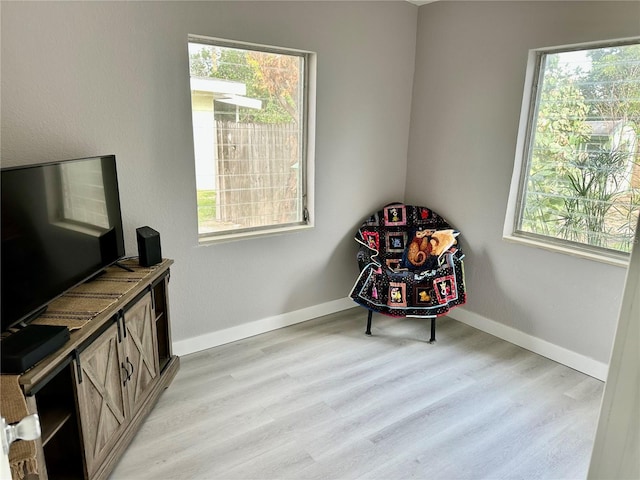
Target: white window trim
527,114
308,148
248,234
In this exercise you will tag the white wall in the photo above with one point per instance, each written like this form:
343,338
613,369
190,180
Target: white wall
88,78
470,67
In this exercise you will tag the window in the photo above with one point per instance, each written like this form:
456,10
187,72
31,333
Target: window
253,136
576,183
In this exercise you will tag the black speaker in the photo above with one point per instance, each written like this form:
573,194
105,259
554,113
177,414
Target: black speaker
148,246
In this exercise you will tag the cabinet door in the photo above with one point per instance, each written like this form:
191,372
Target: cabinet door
141,352
101,396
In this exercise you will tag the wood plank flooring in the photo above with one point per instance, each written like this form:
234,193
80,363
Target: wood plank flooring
321,400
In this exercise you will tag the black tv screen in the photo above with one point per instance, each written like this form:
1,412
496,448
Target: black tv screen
61,224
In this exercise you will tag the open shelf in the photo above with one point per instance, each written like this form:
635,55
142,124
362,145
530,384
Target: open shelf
162,322
60,428
51,421
63,454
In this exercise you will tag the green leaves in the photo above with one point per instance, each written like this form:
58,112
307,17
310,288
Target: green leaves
584,148
272,78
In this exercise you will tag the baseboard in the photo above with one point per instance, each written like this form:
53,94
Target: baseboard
549,350
574,360
228,335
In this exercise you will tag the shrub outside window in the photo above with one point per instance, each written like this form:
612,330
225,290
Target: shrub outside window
253,137
576,180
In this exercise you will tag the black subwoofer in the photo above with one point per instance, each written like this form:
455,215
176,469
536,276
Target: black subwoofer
148,246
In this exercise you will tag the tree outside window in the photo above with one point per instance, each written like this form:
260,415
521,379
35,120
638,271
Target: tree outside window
581,183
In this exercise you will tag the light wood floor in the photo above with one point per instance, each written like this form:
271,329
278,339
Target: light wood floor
321,400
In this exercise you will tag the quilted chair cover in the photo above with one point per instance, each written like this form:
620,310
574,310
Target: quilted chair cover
410,264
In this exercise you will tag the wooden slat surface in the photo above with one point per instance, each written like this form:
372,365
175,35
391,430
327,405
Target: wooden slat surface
321,400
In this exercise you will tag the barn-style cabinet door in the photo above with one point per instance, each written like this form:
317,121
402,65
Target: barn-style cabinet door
140,351
102,400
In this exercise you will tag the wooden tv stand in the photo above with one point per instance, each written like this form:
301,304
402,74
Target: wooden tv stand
93,393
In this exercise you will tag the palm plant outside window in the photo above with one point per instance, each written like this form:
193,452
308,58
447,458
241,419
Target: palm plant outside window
580,183
250,122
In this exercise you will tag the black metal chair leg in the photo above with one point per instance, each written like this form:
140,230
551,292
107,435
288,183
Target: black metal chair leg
368,332
433,331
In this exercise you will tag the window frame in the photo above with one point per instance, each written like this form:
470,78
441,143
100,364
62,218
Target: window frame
522,162
307,155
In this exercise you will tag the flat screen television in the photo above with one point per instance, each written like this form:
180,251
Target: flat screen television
61,224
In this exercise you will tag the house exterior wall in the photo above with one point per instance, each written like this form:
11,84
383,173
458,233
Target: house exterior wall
204,140
470,69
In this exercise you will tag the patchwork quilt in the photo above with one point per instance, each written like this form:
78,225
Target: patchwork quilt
410,263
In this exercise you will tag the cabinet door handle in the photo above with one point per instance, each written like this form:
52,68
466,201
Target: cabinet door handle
126,372
131,364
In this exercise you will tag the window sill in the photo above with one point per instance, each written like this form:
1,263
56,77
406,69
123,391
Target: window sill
206,240
613,259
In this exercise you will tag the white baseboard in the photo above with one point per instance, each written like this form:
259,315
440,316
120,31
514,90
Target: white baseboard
228,335
549,350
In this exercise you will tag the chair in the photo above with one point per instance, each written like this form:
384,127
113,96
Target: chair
410,265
